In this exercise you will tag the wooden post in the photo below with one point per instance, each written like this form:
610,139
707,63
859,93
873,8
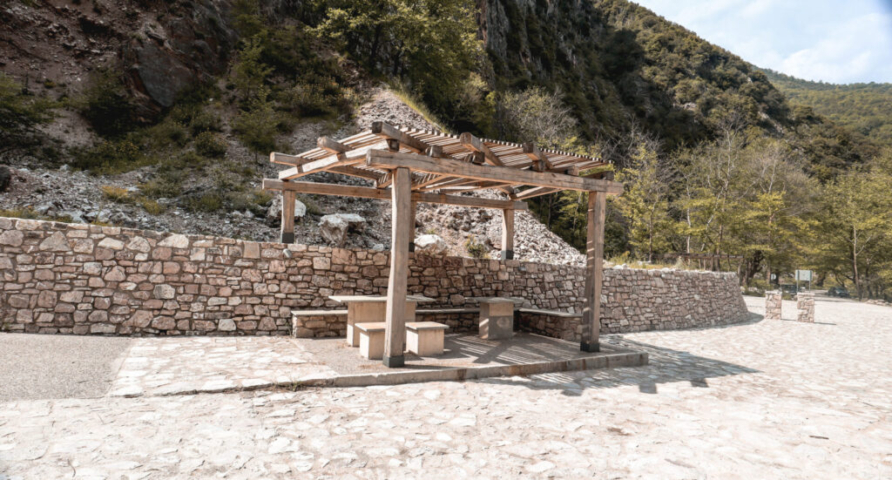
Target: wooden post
594,272
507,234
412,211
395,334
288,197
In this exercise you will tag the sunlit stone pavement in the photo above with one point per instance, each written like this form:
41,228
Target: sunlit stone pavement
767,399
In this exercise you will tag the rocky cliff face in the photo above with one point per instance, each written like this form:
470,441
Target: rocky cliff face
164,48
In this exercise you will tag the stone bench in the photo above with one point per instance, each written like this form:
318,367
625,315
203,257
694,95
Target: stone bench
425,339
317,323
371,339
550,313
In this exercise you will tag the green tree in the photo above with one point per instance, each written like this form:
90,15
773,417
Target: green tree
645,203
429,44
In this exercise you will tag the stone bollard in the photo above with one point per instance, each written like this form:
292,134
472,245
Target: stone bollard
805,307
773,299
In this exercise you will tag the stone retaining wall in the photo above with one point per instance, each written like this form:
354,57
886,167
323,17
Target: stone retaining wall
86,279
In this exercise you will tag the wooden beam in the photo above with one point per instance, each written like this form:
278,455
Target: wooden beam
594,272
285,159
358,172
386,130
507,234
330,145
320,165
540,160
535,192
477,145
419,163
312,188
397,289
287,233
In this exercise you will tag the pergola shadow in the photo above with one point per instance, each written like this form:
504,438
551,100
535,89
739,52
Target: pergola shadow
665,366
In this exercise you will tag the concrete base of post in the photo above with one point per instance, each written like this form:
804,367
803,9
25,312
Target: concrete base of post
590,347
395,362
288,237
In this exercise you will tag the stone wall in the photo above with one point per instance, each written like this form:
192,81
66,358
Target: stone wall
86,279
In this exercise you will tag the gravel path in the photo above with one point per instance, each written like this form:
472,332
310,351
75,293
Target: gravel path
58,366
766,399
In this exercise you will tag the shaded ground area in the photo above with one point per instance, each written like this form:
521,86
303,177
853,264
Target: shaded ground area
58,366
460,350
765,399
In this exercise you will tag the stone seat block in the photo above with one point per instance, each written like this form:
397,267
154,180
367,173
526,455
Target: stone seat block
371,339
425,339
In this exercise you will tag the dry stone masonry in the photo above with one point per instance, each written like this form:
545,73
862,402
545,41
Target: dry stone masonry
87,279
773,304
805,307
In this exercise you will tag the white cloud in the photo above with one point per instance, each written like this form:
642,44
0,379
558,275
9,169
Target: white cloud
858,50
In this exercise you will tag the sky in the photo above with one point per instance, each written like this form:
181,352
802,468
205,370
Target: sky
842,41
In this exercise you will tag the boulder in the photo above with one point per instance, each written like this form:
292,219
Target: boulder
431,245
274,213
334,228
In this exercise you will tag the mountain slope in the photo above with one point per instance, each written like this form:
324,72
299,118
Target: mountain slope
863,107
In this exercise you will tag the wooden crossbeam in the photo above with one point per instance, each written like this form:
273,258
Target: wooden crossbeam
419,163
386,130
477,145
386,181
313,188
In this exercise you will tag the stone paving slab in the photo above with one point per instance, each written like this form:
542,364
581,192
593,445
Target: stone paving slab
177,366
765,399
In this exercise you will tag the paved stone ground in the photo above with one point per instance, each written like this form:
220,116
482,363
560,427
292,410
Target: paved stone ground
168,366
768,399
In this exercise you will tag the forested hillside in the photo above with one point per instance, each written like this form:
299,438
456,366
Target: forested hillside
190,96
863,107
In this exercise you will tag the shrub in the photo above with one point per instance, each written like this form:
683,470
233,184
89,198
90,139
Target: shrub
257,127
210,144
20,113
152,207
205,121
111,156
106,105
209,202
476,249
116,194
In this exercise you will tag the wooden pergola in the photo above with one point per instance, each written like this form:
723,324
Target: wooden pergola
409,166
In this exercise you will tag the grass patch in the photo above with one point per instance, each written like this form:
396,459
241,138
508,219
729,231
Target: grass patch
406,96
